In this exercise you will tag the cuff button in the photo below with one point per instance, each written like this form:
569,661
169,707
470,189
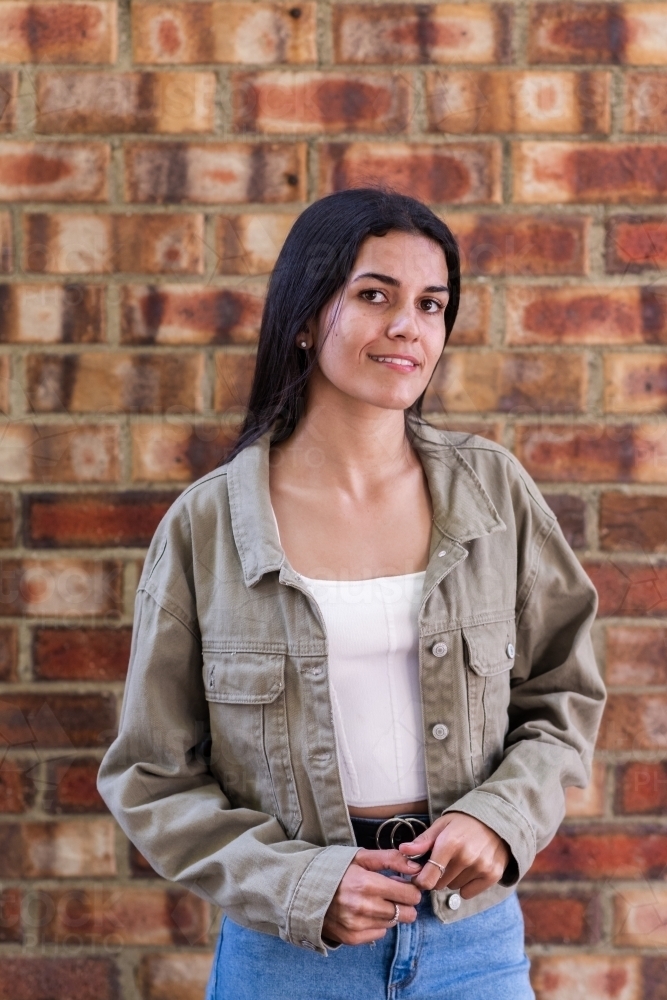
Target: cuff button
454,901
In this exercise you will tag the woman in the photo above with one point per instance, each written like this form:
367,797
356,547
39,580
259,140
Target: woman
361,670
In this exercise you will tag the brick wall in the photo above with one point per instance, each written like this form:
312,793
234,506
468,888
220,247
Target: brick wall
152,158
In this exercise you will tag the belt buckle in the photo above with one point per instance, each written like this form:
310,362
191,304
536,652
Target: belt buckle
399,821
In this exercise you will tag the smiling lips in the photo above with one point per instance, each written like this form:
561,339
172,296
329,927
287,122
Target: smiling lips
397,361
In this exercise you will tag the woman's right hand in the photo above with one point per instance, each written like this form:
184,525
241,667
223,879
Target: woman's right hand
362,908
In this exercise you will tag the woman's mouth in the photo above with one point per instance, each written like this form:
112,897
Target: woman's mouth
399,362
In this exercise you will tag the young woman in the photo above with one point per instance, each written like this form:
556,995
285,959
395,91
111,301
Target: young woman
361,670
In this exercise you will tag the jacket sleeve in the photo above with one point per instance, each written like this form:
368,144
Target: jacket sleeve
556,702
155,780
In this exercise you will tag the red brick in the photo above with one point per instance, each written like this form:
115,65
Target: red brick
422,33
636,243
58,32
636,654
32,719
654,975
633,522
589,801
6,249
10,916
473,320
279,101
635,383
461,173
171,452
125,915
140,867
64,849
233,172
634,722
189,314
117,382
630,588
472,382
645,103
36,977
587,172
125,102
589,453
9,84
641,788
7,525
571,513
76,243
53,171
93,519
52,313
511,101
181,976
640,918
71,787
589,977
8,653
599,314
224,32
17,787
602,852
509,244
553,919
86,654
60,587
51,453
250,244
233,378
5,378
598,32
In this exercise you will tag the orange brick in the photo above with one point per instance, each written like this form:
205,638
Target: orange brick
590,314
67,587
636,655
124,915
640,918
598,32
636,243
17,786
64,849
293,102
473,320
71,787
460,173
92,520
584,172
53,171
8,654
224,32
115,382
250,244
641,788
590,453
635,383
636,522
233,378
189,314
556,919
422,33
125,102
60,721
9,85
51,314
76,243
86,654
183,976
602,852
645,103
5,363
596,977
588,801
510,244
171,452
6,252
630,588
159,173
35,977
8,511
52,453
511,101
471,382
58,32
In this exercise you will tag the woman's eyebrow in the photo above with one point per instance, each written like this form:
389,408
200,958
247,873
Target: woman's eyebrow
388,280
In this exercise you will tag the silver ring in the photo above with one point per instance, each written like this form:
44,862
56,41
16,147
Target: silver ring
441,867
394,919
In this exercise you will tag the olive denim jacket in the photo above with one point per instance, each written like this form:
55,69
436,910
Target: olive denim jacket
225,772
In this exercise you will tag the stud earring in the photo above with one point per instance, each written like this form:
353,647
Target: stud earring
303,343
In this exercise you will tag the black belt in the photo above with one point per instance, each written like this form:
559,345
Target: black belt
382,834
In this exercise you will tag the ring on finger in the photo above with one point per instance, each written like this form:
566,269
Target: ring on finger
441,867
394,919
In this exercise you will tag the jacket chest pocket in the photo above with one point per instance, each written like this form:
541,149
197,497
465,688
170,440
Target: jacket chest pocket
250,741
489,653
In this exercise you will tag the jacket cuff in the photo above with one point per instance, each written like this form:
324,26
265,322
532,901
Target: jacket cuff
312,897
508,823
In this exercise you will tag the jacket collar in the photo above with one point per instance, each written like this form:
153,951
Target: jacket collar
462,509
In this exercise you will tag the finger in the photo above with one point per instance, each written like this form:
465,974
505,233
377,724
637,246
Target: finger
475,886
375,861
425,841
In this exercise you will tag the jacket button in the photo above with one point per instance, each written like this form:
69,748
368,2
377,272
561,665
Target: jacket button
440,731
439,649
454,901
510,650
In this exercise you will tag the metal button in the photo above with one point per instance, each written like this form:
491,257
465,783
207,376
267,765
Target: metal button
454,901
510,650
441,554
440,731
439,649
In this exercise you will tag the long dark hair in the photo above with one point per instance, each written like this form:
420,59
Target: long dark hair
315,261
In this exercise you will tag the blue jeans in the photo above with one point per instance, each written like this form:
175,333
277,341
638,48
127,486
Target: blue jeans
480,957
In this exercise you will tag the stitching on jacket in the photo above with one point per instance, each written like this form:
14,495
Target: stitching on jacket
535,573
511,805
292,902
169,611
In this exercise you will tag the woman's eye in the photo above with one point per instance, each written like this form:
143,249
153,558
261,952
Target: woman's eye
372,291
431,302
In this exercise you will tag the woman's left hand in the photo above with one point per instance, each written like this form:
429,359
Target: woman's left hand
474,857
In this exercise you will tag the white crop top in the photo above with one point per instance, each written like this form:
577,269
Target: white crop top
374,682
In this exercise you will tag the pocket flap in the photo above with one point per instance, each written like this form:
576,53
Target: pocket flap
491,646
244,678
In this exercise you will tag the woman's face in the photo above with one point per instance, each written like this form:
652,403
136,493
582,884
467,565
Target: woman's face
388,328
